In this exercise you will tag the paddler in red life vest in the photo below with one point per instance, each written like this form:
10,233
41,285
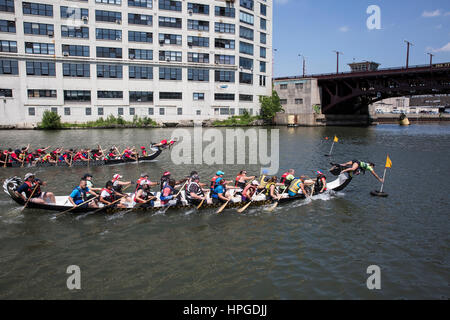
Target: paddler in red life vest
241,179
145,177
38,196
321,182
143,194
108,196
285,181
219,174
144,152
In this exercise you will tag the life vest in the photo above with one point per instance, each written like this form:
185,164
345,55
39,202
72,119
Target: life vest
213,182
268,185
164,181
83,196
30,189
215,191
116,187
110,196
199,190
319,183
283,177
144,195
239,184
138,183
295,186
251,189
165,199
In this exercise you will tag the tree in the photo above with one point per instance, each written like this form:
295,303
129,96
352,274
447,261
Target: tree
50,121
270,106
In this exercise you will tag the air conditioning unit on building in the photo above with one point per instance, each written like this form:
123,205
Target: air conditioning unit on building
168,59
65,54
190,12
85,18
50,34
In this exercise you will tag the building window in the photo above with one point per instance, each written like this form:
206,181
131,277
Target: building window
263,24
179,111
8,46
109,94
108,16
263,9
140,54
225,12
246,33
161,111
170,56
54,110
246,48
248,4
198,25
246,17
120,111
76,70
283,86
298,101
39,48
7,5
141,19
140,72
262,81
116,2
74,13
67,111
170,22
109,71
170,95
299,86
198,57
6,93
170,5
100,111
77,95
137,36
224,43
74,32
103,52
40,68
38,9
199,96
225,27
88,111
198,41
108,34
38,29
37,93
224,59
132,111
31,111
198,74
246,63
141,96
165,38
224,96
7,26
283,101
224,76
141,3
151,111
9,67
246,78
74,50
262,66
169,73
263,38
246,98
198,8
262,52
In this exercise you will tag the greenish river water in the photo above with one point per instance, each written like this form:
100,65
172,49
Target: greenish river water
317,249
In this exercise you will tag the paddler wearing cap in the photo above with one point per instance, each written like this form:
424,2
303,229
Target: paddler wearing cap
145,177
143,194
219,174
144,151
88,177
117,184
166,177
38,196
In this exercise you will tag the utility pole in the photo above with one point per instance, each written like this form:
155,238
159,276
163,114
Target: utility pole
407,52
431,59
337,64
304,65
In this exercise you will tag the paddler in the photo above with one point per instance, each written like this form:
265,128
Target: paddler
144,151
242,178
167,193
250,190
79,195
117,184
284,178
108,196
297,185
166,178
38,196
271,188
143,194
321,182
218,194
194,192
359,166
88,177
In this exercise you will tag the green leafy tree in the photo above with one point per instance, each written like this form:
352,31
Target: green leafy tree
50,121
270,106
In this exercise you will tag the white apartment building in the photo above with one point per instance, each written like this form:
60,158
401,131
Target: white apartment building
164,59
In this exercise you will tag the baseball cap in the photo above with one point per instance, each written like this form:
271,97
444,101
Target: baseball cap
28,175
220,173
167,173
255,183
164,141
117,176
144,182
142,147
319,172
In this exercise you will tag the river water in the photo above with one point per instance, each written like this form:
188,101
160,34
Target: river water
317,249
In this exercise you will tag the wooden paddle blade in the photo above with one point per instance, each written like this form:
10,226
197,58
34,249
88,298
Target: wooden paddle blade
222,207
273,207
201,203
244,207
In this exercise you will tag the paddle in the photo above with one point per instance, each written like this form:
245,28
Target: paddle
137,206
277,202
77,206
113,203
201,203
223,207
248,204
6,160
71,158
35,188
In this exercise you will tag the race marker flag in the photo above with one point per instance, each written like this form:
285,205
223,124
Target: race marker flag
388,162
336,139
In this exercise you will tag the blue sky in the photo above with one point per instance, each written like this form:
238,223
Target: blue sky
315,28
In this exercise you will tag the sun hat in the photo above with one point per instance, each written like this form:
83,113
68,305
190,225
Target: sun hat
220,173
28,175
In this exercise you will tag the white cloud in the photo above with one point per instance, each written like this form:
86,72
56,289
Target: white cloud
344,29
431,14
445,48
